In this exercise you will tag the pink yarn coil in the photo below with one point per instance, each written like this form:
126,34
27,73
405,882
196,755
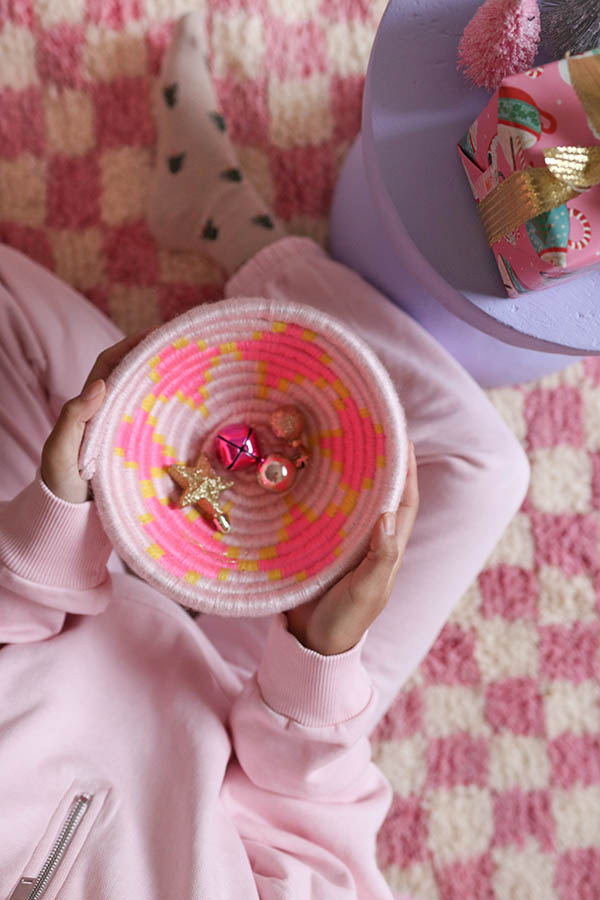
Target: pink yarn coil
238,360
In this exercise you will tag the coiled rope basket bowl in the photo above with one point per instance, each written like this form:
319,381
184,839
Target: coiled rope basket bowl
237,361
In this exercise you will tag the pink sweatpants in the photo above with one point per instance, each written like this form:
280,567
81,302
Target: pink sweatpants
473,474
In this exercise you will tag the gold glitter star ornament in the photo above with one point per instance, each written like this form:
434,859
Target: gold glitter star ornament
202,488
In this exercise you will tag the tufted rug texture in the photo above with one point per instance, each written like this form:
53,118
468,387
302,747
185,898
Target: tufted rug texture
493,747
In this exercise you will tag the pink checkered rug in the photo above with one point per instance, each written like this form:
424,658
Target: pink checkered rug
493,748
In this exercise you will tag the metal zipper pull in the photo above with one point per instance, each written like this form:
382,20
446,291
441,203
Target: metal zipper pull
23,889
34,888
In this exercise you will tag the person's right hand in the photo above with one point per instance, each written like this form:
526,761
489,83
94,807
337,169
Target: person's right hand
60,456
335,622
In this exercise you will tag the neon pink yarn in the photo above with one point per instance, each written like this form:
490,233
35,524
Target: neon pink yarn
238,360
500,40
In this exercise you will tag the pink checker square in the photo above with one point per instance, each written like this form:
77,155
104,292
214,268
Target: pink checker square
520,814
295,50
345,101
342,10
591,368
569,653
123,110
131,255
457,759
469,879
304,179
175,299
566,541
515,705
595,463
451,660
21,122
575,759
33,242
403,719
73,191
59,53
114,13
158,37
554,417
244,106
508,591
19,12
402,839
578,874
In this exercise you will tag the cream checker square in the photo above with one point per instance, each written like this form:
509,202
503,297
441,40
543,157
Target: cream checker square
565,600
416,880
461,823
526,874
561,480
506,649
518,761
112,54
403,762
23,190
238,45
125,178
69,118
17,55
516,546
448,710
294,11
572,708
299,107
53,12
79,256
348,47
577,817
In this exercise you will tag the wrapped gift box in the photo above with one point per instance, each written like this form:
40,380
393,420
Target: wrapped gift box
554,106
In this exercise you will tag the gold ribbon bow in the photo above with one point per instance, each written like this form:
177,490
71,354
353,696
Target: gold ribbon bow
568,170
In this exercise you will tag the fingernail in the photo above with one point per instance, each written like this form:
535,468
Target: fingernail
92,390
389,523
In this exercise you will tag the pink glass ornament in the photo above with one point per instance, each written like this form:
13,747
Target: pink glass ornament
287,422
276,473
237,446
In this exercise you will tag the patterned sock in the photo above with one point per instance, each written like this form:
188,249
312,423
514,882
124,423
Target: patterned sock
199,197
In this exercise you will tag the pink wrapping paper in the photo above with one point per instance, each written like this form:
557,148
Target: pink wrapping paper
529,113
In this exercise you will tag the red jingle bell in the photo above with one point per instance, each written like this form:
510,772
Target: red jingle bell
237,446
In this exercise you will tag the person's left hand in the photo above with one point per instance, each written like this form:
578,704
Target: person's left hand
60,456
336,621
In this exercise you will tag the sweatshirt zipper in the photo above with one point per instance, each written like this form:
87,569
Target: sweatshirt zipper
37,886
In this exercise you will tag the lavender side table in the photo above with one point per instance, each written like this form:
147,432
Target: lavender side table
404,217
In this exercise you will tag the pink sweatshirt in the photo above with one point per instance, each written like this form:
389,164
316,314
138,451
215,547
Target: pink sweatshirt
176,780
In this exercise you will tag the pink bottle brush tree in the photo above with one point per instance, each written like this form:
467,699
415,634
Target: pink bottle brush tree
500,40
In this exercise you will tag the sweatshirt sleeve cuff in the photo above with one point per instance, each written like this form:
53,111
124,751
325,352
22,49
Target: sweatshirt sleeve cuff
52,542
313,689
249,281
